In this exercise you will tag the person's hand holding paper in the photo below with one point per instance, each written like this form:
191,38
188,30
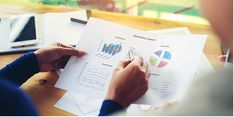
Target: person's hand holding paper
56,56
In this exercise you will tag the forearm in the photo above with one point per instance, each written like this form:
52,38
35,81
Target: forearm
110,107
21,69
14,102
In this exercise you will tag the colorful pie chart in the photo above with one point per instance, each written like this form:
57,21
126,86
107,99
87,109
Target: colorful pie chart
160,58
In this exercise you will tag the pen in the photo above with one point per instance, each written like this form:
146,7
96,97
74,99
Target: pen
130,55
78,21
227,56
21,46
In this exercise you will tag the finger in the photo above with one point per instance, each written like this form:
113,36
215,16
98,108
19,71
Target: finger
70,52
63,45
137,60
145,67
122,64
148,75
81,53
222,58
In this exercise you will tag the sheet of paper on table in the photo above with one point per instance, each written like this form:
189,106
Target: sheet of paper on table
57,27
78,105
90,75
203,65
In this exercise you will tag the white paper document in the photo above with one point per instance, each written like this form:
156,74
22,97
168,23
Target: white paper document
57,27
69,103
171,63
172,31
204,66
87,104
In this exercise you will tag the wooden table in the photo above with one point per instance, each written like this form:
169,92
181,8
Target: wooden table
46,95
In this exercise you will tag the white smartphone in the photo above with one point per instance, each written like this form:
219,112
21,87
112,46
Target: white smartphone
23,30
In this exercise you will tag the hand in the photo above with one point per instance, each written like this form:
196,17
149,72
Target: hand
56,56
129,81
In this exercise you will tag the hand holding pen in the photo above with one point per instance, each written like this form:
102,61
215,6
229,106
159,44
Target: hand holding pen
130,78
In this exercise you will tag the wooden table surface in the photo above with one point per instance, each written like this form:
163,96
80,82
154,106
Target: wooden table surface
46,95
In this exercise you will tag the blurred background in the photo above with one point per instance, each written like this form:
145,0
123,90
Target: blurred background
177,10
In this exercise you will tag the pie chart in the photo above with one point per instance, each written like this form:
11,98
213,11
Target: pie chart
160,58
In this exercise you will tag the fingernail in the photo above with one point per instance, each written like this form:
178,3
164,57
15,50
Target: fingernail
82,54
42,81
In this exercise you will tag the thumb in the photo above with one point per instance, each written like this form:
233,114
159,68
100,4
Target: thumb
122,64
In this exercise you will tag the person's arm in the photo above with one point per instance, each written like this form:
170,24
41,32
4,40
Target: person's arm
14,102
21,69
129,82
46,59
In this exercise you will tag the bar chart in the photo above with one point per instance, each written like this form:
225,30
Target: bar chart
107,51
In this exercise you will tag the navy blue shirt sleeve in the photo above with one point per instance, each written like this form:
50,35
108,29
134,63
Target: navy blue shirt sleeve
21,69
13,101
110,107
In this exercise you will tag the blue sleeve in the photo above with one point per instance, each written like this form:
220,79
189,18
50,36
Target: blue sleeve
21,69
110,107
14,102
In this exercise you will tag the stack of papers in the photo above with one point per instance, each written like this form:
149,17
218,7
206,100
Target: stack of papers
174,55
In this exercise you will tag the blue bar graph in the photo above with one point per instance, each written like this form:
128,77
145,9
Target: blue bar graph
109,50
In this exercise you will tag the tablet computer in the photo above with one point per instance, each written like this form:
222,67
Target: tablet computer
22,30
